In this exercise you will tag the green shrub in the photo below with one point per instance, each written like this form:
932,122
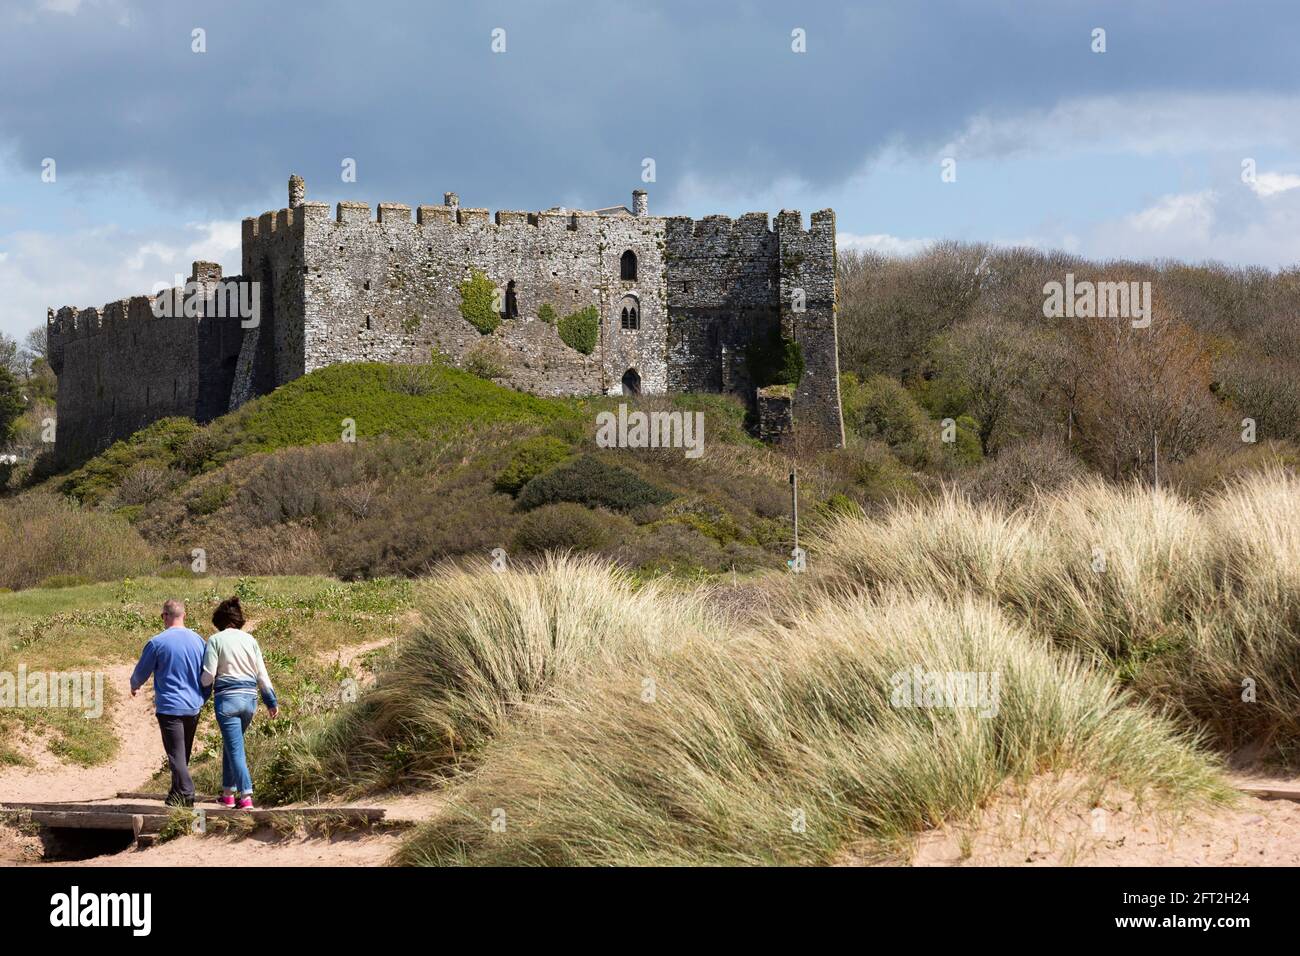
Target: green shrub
580,330
160,445
881,408
590,481
563,527
966,449
211,499
773,359
547,313
477,305
531,457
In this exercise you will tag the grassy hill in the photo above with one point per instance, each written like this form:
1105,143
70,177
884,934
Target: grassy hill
369,470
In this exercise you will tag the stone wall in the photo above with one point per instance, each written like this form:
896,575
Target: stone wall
340,285
122,367
807,265
388,289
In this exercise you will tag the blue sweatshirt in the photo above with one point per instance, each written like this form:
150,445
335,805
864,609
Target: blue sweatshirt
174,659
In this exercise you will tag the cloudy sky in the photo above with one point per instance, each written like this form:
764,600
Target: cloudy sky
159,150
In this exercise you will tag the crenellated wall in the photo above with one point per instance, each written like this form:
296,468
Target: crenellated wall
340,284
388,288
123,367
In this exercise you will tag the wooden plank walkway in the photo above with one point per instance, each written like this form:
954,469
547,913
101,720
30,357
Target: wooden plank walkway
145,814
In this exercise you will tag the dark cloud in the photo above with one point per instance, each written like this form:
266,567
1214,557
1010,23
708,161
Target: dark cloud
585,90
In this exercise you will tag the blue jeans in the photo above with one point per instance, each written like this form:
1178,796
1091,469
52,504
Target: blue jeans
234,714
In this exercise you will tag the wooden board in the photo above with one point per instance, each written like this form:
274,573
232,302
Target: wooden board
1272,793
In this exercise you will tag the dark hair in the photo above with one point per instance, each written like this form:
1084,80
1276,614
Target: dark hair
228,614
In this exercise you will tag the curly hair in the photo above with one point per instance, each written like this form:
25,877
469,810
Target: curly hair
228,614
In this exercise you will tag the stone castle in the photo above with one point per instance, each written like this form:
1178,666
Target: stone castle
678,302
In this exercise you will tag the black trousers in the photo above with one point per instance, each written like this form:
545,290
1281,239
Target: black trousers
178,741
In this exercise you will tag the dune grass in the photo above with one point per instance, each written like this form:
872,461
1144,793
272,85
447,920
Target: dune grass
1195,605
786,744
489,645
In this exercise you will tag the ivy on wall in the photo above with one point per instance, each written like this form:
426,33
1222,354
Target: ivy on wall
476,302
580,330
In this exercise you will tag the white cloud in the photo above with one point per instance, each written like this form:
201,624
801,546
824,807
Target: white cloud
1185,214
1137,124
1233,225
883,243
97,266
1270,184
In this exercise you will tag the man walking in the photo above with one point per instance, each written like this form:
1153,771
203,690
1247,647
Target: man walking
174,659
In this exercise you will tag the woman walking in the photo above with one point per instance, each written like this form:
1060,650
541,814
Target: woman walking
233,663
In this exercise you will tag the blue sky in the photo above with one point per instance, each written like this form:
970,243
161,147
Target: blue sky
1136,152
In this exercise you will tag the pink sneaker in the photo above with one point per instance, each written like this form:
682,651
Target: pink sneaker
226,800
246,803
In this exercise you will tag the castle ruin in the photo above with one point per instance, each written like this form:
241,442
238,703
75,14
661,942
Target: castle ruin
678,302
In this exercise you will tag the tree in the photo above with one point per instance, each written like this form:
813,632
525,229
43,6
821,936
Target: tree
997,368
37,344
11,403
1138,386
11,357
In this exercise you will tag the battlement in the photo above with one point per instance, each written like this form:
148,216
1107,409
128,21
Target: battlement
355,281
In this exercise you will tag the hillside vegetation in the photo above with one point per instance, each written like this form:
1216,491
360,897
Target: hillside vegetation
369,470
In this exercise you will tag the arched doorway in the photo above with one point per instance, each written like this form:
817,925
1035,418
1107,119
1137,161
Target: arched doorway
631,382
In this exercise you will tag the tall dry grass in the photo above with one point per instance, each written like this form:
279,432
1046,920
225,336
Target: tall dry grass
488,647
784,745
1197,605
49,539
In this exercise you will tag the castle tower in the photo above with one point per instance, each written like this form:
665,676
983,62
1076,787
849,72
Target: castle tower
640,202
451,199
297,191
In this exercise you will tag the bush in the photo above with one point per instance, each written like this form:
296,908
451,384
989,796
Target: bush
1021,471
530,458
147,483
880,408
564,527
477,303
210,499
581,330
417,380
43,536
546,313
590,481
296,484
773,359
487,360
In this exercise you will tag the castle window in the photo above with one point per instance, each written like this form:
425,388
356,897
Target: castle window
630,313
627,266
